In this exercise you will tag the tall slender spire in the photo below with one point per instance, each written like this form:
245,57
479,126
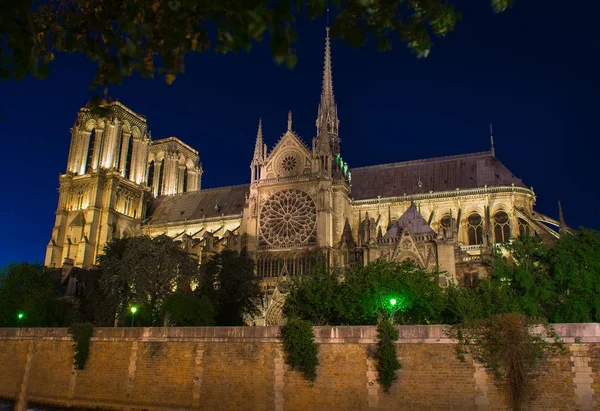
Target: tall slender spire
327,120
258,147
492,139
290,120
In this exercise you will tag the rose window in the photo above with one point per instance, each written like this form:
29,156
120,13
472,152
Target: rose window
288,163
288,218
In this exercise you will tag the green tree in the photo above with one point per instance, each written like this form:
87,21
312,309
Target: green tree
560,284
148,37
363,295
316,297
369,290
575,270
188,310
143,271
30,290
228,281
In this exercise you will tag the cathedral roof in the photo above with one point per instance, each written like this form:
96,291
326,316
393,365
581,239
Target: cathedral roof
208,203
463,171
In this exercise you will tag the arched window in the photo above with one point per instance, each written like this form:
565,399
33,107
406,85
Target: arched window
185,180
90,152
475,229
445,224
150,177
523,228
161,172
128,159
501,227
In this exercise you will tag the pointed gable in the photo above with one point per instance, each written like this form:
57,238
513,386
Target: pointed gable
413,220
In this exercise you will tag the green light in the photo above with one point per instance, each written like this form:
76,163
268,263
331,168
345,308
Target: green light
393,301
133,310
20,316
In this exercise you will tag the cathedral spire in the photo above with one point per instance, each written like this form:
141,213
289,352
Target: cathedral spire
492,139
258,147
327,120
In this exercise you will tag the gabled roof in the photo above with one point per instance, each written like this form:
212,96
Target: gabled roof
212,202
433,174
411,219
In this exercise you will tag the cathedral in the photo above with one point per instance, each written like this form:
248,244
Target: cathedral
303,202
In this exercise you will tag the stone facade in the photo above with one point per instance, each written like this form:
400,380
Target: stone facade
224,368
303,202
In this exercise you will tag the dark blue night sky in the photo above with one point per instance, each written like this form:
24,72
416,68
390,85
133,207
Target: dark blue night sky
531,70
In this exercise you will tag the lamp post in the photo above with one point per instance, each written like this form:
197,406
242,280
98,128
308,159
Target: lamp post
20,316
133,311
393,303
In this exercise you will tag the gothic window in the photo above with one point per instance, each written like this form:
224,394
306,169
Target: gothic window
501,227
90,151
185,180
284,264
475,229
445,224
128,166
161,171
79,201
150,173
126,205
523,228
288,219
471,279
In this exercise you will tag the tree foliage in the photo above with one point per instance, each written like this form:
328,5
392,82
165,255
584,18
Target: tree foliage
510,347
560,284
363,294
30,290
188,310
228,281
143,271
149,37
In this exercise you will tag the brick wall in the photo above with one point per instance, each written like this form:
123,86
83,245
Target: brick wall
223,368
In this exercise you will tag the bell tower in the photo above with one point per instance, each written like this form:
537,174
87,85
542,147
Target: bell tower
103,193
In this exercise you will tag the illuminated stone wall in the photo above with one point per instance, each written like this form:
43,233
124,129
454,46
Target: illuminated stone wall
225,368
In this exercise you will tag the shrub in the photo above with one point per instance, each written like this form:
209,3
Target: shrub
81,333
300,348
387,361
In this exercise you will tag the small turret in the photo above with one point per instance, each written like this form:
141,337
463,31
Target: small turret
260,151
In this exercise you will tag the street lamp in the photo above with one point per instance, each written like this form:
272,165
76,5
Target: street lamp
133,311
20,316
393,302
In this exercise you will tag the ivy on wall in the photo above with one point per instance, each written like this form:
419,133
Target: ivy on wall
509,346
301,351
385,355
81,333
